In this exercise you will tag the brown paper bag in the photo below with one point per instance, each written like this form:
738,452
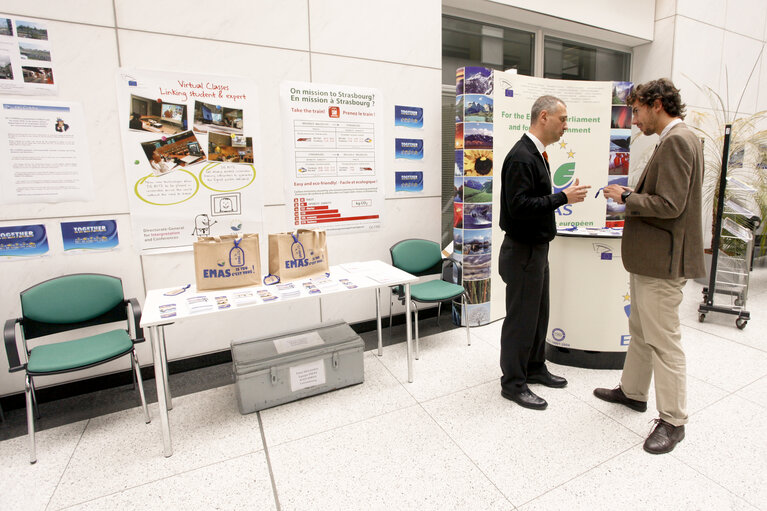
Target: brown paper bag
230,260
297,255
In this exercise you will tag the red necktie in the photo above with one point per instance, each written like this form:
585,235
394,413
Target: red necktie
545,156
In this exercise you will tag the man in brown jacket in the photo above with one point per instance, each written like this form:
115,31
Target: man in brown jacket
662,247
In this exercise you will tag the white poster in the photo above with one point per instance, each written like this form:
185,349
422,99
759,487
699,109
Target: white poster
192,156
43,153
333,138
582,152
26,62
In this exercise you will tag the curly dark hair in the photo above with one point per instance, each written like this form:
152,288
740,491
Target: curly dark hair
663,89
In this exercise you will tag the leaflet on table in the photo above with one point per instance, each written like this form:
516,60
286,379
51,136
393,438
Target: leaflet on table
324,283
191,147
26,58
288,290
333,138
43,152
240,298
228,299
199,303
384,277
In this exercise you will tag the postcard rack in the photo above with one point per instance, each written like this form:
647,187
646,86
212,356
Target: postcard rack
732,249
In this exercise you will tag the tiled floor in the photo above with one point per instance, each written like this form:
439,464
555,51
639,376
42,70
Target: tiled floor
446,441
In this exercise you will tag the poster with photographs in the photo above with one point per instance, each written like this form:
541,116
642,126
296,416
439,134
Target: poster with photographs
191,152
26,63
473,197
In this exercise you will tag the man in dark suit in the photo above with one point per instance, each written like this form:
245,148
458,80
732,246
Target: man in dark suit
527,217
662,247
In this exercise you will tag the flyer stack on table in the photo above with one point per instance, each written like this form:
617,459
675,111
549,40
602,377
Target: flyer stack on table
164,307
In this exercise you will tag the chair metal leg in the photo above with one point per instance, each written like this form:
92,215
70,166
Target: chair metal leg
164,359
390,311
137,374
417,339
2,416
466,318
34,397
378,321
133,370
30,419
439,312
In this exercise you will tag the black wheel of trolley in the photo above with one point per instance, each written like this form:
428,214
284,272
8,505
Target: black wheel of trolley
701,317
741,323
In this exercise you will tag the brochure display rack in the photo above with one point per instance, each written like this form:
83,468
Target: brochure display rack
732,258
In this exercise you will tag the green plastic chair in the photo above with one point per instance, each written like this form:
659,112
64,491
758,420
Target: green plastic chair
420,258
68,304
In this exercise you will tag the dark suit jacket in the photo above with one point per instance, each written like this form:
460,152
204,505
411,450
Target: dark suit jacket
663,233
527,204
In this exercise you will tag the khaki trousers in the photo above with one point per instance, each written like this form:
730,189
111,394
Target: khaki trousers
656,347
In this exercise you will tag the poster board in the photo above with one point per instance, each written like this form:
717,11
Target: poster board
333,142
191,150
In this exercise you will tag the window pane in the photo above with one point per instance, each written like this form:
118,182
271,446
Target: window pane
575,61
470,43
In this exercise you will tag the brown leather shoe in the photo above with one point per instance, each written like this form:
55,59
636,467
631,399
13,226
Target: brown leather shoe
616,395
664,437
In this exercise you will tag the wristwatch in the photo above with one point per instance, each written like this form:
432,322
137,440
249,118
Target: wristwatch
625,195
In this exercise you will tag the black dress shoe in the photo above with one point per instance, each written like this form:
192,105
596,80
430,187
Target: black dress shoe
664,437
547,379
526,399
616,395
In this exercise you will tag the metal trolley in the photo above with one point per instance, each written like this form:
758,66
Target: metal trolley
732,257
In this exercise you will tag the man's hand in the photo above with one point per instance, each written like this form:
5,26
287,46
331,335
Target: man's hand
614,192
576,193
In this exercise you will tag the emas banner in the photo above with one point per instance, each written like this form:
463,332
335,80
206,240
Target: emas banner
583,151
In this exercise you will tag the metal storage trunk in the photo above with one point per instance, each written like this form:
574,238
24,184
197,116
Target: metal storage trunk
275,370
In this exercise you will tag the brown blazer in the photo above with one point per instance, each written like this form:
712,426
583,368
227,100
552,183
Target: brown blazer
663,233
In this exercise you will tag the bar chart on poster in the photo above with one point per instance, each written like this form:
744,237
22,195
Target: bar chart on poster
333,146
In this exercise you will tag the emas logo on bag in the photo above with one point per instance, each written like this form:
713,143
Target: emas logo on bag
563,177
300,259
236,255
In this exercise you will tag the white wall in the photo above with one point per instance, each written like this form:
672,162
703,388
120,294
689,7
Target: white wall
394,46
713,43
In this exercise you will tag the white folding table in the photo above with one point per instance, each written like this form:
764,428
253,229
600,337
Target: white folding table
164,307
